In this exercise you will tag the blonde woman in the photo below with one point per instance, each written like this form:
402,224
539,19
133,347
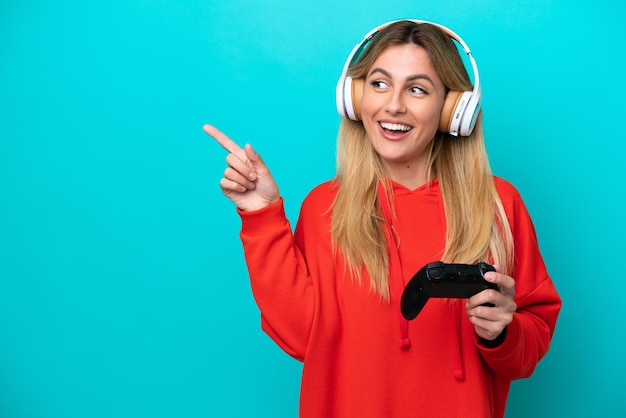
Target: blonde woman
410,188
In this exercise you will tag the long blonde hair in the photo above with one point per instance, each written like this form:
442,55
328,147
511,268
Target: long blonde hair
477,226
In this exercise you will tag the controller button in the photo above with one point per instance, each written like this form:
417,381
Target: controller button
434,272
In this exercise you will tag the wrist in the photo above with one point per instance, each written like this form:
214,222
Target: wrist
256,206
495,342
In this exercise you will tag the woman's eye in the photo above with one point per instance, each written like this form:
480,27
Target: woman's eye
380,85
417,90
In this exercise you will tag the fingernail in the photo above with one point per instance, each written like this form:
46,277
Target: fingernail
490,276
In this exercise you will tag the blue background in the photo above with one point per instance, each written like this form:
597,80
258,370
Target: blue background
123,290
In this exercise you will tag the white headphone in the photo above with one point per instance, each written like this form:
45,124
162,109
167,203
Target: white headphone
460,109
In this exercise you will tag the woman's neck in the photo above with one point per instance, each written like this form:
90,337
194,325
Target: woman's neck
411,177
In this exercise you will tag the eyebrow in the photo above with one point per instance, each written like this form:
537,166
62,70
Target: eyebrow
410,78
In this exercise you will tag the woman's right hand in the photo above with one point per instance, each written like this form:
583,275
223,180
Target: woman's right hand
247,180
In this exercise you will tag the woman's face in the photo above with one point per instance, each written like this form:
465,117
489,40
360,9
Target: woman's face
402,101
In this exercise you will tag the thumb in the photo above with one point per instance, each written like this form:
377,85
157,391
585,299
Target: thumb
266,187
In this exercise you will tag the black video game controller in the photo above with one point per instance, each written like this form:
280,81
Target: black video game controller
441,280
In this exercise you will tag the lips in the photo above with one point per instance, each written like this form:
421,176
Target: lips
393,130
395,127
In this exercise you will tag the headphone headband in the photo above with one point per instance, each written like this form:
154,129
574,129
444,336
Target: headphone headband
460,110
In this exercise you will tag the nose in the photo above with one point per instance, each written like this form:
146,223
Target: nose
395,104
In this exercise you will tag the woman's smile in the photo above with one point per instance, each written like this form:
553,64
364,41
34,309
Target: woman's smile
394,131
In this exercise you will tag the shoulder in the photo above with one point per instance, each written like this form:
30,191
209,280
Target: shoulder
511,199
507,191
321,197
514,206
316,214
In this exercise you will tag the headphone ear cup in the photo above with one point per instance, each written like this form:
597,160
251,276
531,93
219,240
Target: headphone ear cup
348,102
349,96
449,109
356,93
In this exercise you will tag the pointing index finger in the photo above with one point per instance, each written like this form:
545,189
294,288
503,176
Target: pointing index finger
226,143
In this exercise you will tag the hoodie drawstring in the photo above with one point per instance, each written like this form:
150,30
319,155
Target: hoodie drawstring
459,370
395,266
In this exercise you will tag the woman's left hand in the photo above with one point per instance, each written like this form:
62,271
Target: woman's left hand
490,321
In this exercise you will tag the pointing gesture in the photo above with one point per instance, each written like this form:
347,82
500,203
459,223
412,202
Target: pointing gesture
247,181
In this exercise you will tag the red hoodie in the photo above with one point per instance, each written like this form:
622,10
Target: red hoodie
361,358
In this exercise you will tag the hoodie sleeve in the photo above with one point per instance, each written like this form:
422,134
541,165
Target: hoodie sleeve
528,336
279,279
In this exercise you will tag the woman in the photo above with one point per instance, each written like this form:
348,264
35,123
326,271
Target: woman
406,193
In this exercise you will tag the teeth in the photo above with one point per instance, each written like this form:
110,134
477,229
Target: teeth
395,127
